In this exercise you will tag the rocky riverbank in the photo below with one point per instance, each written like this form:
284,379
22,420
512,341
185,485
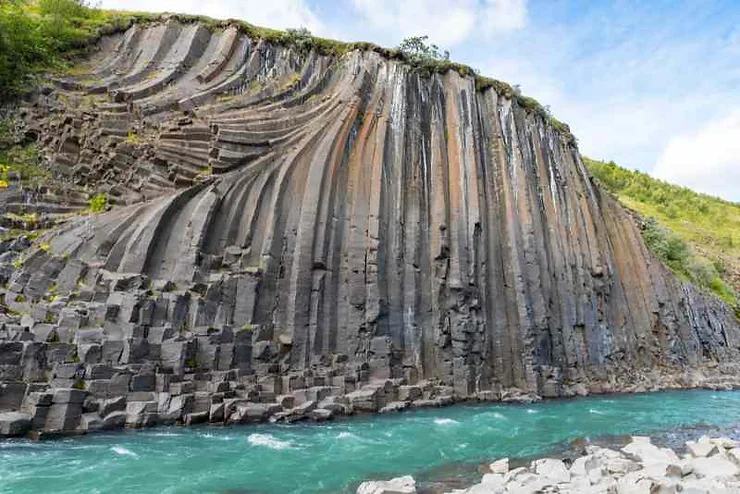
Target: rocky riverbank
116,397
709,466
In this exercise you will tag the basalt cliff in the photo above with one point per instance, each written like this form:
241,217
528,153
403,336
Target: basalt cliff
293,234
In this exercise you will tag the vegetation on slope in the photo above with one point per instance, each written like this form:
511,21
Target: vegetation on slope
35,33
696,235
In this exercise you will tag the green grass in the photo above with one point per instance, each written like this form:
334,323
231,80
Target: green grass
23,162
696,235
34,35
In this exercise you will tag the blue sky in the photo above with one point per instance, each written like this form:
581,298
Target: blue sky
652,84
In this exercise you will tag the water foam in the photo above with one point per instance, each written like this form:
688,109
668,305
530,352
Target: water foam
347,435
446,422
269,441
595,412
165,434
123,451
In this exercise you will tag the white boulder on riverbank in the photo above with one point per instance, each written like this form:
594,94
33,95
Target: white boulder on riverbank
400,485
710,466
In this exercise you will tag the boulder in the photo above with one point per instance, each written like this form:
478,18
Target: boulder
216,413
251,412
90,422
714,467
551,469
621,465
491,483
734,455
114,420
320,415
702,448
409,393
500,466
395,406
400,485
14,423
647,453
725,442
364,400
91,404
584,465
195,418
141,413
117,404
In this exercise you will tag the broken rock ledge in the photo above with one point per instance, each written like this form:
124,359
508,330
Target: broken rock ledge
125,397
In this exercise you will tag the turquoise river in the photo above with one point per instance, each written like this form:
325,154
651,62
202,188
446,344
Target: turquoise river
335,457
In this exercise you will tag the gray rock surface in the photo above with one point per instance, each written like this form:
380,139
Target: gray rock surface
288,227
14,423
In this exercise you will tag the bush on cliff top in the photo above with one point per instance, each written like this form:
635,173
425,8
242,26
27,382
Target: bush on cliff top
696,235
39,35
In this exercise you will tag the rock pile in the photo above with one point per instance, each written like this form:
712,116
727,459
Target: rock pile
710,466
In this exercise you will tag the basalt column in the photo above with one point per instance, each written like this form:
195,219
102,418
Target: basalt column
279,211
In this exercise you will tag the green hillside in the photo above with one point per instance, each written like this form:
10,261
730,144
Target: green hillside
696,235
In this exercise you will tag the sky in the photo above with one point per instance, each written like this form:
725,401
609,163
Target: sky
653,85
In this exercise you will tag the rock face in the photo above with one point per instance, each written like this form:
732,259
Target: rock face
289,223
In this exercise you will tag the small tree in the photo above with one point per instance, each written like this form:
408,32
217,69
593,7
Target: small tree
417,50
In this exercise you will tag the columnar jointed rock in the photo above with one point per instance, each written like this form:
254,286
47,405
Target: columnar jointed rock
290,223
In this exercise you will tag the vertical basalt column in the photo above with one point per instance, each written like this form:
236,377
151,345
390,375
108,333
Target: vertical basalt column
353,215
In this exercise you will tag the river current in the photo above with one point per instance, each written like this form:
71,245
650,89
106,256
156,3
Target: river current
335,457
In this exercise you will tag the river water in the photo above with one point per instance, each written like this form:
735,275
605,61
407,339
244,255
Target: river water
335,457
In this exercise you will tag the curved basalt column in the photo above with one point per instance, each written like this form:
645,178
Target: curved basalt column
351,216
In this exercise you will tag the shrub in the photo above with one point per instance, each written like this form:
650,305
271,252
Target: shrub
98,203
300,39
23,48
416,50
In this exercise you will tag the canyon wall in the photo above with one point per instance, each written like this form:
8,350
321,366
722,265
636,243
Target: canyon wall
293,215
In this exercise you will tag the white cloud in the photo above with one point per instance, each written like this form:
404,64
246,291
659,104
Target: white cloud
504,15
707,160
279,14
447,22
